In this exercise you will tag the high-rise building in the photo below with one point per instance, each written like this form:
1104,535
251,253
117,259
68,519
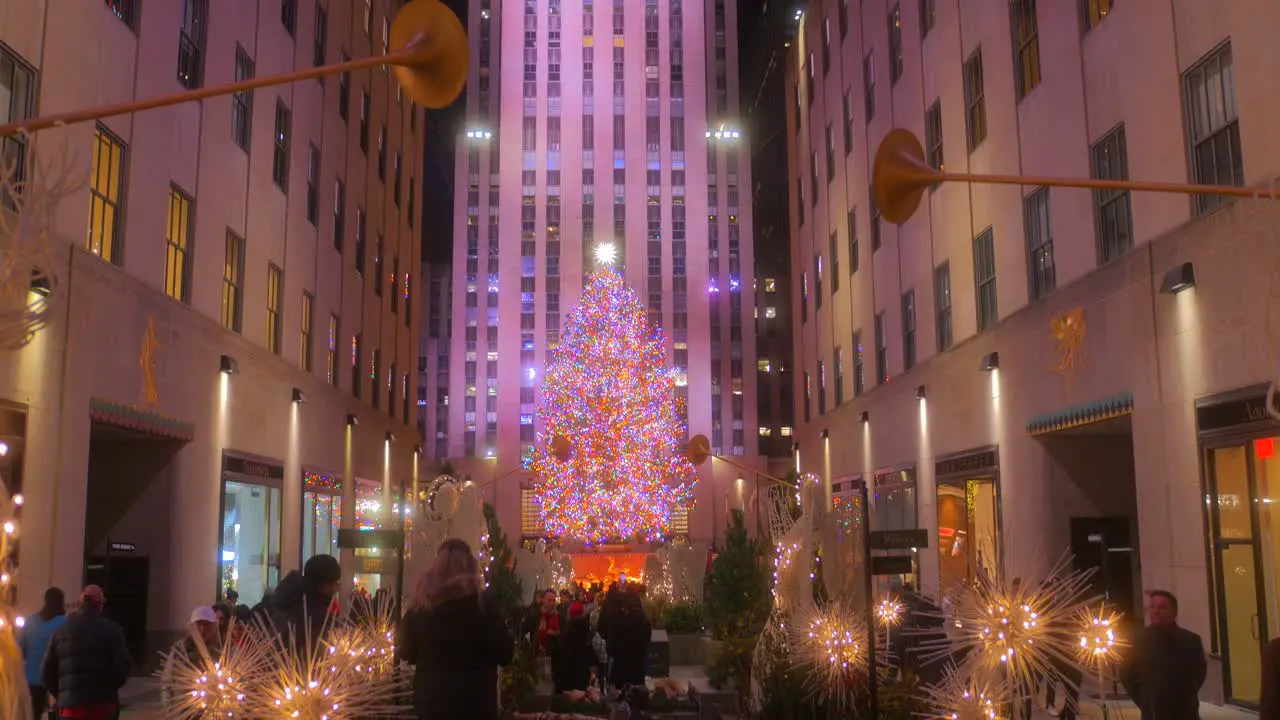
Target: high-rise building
768,29
234,325
1025,370
599,131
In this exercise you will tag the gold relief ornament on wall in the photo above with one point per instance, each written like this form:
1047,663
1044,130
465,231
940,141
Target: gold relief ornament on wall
147,361
1069,334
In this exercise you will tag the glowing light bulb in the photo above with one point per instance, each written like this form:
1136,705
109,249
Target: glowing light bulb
606,253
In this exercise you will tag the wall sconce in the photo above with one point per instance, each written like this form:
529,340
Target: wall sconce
795,447
417,450
919,392
391,437
1182,277
864,417
352,421
826,434
990,361
299,397
228,365
40,283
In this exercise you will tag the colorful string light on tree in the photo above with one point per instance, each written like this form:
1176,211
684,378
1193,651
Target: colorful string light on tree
607,462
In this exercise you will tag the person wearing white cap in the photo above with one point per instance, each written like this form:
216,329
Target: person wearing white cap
202,630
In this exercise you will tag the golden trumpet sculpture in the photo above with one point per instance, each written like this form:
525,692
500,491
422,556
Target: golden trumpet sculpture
428,53
900,175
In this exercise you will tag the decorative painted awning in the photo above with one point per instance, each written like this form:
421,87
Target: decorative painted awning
140,419
1086,414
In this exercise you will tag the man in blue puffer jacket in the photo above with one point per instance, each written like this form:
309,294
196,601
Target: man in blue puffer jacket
87,662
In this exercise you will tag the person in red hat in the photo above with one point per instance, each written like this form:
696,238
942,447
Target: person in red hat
87,662
577,655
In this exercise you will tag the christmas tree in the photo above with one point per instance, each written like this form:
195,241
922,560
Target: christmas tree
607,462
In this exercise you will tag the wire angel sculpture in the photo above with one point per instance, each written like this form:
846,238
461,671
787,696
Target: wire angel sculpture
34,180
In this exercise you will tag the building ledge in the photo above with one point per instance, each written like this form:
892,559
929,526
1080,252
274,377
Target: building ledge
1084,414
140,419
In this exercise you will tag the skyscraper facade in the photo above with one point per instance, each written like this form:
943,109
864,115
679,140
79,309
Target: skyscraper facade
1024,370
598,132
230,348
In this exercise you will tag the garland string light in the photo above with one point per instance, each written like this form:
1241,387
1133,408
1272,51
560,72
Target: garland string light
607,463
14,695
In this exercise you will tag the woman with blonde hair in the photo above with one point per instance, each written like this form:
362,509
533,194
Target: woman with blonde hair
455,637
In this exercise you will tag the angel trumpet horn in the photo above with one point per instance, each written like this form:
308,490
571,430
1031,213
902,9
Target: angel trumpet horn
900,176
428,49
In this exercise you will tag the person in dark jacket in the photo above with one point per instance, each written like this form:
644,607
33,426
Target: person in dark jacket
1270,707
87,662
33,641
455,637
1166,664
577,655
302,602
628,641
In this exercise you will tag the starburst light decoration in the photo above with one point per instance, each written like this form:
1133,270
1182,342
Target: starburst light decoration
1100,645
831,643
1018,630
607,463
964,696
889,612
14,695
217,685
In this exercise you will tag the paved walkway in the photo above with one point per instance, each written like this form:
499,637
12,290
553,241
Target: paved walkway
141,698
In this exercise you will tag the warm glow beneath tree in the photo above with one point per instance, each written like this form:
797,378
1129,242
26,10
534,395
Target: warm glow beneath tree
607,463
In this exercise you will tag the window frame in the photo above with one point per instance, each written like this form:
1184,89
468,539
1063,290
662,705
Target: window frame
242,102
933,141
1093,12
232,311
897,62
306,330
928,17
281,143
192,36
909,351
944,331
178,255
1037,224
1228,129
975,119
275,309
1024,32
1111,151
988,315
111,250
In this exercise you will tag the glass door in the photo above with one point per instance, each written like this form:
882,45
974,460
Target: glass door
968,531
1233,521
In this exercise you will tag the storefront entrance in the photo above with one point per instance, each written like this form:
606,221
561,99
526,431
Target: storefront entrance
968,517
250,534
1239,443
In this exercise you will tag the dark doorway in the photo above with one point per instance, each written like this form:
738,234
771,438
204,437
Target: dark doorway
129,531
1103,545
125,579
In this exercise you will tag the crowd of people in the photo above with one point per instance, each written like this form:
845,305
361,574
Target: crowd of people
593,640
456,637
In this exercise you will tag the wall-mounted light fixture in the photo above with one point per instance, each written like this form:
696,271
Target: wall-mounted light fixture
919,392
795,447
391,437
228,365
417,450
40,283
299,397
352,421
1182,277
990,361
864,417
825,434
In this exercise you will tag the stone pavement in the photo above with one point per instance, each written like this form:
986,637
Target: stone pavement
141,698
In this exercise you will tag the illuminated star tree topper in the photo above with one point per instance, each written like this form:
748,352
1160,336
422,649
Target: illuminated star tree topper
607,462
